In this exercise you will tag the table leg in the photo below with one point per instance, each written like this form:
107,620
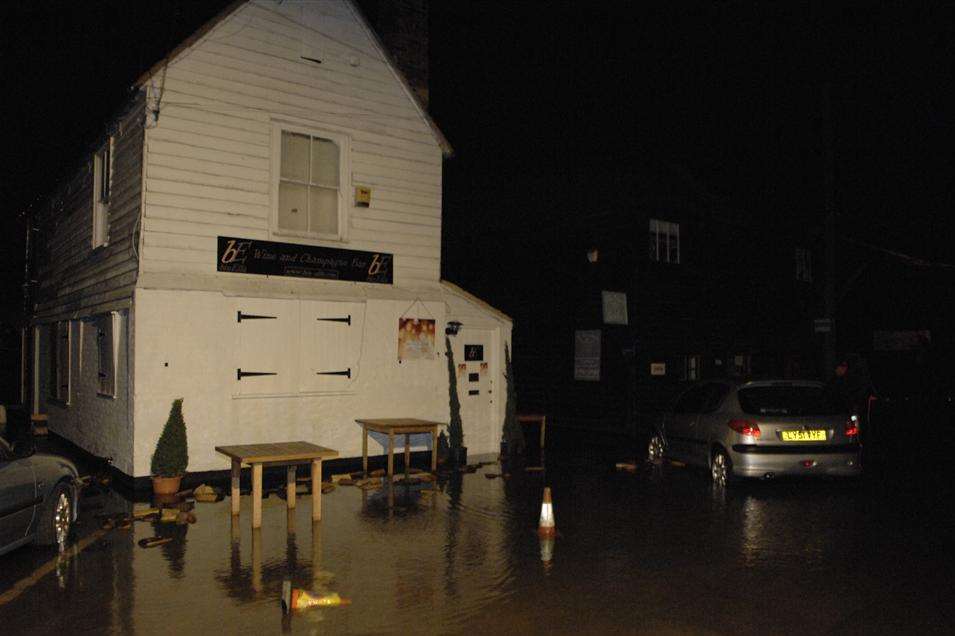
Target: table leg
407,454
257,559
364,450
316,490
391,456
317,554
434,450
256,495
290,486
236,473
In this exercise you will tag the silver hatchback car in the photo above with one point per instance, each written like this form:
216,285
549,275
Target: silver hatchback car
762,429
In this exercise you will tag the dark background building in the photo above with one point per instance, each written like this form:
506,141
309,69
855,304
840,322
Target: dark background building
573,125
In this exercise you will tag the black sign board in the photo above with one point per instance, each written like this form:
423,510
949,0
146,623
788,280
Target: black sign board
474,353
268,258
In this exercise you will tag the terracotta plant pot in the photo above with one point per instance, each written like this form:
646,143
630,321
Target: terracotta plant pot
166,485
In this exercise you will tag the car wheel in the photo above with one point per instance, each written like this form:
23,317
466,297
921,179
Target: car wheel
57,518
720,468
655,448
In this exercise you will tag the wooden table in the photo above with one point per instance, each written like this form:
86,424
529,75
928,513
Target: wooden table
287,454
400,426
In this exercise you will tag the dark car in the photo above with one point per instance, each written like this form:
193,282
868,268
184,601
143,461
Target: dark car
38,492
763,429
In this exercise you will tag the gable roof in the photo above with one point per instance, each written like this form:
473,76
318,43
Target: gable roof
233,7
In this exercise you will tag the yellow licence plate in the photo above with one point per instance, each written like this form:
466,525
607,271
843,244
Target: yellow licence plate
804,436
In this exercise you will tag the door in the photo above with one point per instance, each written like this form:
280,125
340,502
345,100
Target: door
17,498
681,424
474,359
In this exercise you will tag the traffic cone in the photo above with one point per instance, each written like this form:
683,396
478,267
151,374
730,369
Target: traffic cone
546,527
296,599
547,552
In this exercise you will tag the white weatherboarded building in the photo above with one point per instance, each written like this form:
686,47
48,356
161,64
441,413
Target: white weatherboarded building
247,236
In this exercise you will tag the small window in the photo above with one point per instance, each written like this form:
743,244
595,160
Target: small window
60,349
106,331
692,367
803,265
309,186
102,184
664,244
741,364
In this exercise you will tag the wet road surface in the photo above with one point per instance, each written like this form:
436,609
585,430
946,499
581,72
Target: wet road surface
658,551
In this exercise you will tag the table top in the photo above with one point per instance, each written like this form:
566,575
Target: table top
277,452
400,425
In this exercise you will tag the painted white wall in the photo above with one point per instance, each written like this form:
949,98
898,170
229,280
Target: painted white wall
94,422
189,346
209,156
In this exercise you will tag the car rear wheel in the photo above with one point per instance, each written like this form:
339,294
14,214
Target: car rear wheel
720,468
57,518
655,448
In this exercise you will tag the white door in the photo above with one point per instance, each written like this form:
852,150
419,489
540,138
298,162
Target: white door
476,365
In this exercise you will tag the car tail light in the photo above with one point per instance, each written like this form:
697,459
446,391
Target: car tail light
745,427
852,426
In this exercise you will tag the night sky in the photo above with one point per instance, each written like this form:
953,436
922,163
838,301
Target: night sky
556,110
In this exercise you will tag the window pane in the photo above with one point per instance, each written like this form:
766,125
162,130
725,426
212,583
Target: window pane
323,210
293,213
294,156
324,162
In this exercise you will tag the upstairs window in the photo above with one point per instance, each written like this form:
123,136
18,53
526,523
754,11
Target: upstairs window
310,171
102,184
664,245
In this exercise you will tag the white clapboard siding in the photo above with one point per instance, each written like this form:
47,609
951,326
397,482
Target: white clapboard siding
73,279
209,166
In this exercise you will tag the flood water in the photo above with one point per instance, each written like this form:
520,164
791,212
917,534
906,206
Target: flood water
658,551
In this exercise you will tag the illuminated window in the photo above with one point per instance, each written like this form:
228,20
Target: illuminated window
102,183
692,367
310,171
664,244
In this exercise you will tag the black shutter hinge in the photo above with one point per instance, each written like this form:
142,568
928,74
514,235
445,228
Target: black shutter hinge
239,373
346,373
346,319
242,317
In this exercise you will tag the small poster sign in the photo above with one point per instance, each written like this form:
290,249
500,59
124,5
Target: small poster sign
658,368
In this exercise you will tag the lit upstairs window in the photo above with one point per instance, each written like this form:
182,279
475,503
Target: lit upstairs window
102,183
664,245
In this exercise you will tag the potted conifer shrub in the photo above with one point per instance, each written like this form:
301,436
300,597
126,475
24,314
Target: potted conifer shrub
171,456
513,435
459,452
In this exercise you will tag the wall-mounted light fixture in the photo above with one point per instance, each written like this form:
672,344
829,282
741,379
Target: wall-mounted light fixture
593,254
452,328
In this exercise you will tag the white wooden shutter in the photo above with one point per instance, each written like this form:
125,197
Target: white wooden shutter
266,346
331,345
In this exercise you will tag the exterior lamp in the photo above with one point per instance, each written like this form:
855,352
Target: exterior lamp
593,254
452,328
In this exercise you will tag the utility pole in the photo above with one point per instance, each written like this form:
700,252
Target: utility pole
829,289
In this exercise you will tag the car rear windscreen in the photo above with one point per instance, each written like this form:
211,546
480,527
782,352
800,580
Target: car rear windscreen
790,400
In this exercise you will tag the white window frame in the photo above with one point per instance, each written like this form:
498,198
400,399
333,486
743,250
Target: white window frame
668,229
60,391
102,190
343,142
693,367
107,329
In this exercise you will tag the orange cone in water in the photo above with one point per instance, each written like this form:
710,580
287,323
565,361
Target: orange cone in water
296,599
546,527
